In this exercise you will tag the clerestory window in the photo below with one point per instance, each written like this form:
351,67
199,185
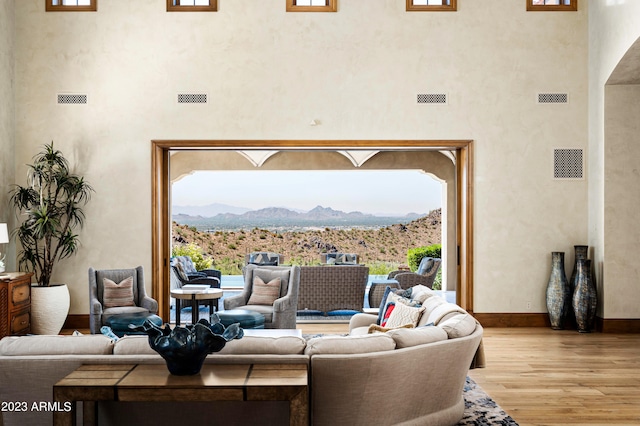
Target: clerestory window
312,5
71,5
432,5
192,5
552,5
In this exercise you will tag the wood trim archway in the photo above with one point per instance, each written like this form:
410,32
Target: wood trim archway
160,187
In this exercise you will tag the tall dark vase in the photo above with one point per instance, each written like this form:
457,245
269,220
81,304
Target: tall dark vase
584,297
580,252
558,292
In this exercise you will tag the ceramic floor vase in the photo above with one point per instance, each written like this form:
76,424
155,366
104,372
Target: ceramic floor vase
49,308
558,292
584,297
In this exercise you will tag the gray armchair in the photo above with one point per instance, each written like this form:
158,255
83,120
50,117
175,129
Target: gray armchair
282,314
98,314
425,275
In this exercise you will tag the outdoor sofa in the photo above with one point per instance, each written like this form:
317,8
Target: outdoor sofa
410,376
328,288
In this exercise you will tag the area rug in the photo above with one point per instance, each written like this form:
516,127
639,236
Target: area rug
480,409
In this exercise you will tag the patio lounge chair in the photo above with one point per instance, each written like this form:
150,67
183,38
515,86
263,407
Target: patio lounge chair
263,258
425,275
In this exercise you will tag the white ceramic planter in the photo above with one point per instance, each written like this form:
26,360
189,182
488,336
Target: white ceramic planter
49,308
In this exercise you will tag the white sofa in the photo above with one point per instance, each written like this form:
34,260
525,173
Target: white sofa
408,377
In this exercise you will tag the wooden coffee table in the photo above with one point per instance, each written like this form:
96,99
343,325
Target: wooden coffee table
210,296
153,382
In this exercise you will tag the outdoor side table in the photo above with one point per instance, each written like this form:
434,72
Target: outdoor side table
209,296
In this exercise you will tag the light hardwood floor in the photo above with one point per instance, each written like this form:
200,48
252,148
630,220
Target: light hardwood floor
545,377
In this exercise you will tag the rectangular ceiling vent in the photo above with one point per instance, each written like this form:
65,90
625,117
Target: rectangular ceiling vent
432,98
192,98
553,98
568,163
72,98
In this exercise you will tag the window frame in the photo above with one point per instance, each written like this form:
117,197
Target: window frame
213,7
571,7
50,7
453,7
331,7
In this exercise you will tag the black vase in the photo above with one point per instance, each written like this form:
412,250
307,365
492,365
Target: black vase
584,297
580,252
558,292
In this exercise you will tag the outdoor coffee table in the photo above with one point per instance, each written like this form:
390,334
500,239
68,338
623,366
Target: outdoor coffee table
208,296
153,382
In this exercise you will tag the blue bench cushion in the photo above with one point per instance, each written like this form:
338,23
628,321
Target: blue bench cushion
120,323
246,318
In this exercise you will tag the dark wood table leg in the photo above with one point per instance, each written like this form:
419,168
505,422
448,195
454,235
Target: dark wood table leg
194,309
178,310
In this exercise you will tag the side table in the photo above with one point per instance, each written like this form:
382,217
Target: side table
15,303
209,296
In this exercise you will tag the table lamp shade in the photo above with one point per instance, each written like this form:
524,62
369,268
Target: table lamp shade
4,234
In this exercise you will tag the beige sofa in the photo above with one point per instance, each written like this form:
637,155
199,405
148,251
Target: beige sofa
405,376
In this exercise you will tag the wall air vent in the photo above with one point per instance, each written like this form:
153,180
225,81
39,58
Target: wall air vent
553,98
69,98
568,163
432,98
192,98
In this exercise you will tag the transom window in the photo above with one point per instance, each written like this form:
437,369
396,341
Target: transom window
312,5
431,5
552,5
192,5
71,5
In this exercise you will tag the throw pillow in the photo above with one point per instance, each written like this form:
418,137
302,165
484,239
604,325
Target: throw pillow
387,313
181,273
403,314
120,294
270,274
383,301
375,328
264,293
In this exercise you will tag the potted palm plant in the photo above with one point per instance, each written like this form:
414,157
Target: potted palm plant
51,204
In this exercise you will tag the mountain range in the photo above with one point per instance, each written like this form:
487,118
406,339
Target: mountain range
214,215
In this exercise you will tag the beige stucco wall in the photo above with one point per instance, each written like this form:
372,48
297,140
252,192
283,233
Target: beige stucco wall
7,122
357,72
614,26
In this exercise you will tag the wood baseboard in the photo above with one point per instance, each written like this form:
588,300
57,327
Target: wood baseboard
76,322
630,325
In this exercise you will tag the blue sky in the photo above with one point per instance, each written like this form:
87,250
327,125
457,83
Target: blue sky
388,192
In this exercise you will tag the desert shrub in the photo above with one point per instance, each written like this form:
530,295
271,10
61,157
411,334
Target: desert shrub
415,255
382,268
196,254
437,282
228,266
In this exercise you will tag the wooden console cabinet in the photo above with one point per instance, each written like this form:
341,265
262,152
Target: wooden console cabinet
15,303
